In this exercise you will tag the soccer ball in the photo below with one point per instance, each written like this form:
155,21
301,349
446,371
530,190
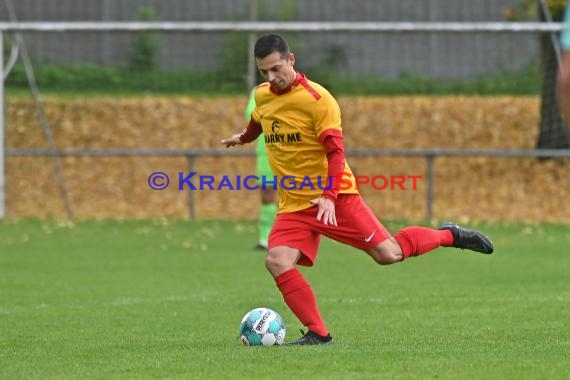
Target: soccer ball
262,327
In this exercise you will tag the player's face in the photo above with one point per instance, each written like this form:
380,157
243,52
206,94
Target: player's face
278,71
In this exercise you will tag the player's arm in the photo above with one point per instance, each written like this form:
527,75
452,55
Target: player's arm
333,144
249,134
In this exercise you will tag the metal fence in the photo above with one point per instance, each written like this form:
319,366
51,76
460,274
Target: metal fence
192,156
373,28
361,53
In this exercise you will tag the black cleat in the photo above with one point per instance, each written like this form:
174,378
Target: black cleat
260,247
469,239
311,338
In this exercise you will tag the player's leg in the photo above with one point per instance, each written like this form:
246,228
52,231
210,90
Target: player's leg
267,212
297,292
415,241
410,241
291,243
360,228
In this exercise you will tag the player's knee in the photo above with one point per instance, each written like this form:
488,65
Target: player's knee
386,253
387,258
279,261
271,263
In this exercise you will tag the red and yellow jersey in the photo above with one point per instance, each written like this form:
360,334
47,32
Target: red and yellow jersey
293,122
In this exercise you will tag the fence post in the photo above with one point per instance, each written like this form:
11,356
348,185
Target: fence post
251,37
2,183
191,157
429,194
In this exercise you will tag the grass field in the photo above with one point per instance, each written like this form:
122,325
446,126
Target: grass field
163,299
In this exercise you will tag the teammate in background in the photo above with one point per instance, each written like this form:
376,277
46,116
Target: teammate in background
301,123
564,70
268,208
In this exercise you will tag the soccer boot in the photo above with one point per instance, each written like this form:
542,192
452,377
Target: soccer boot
311,338
469,239
260,247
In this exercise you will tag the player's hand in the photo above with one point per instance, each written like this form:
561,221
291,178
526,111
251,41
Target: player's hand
234,140
326,212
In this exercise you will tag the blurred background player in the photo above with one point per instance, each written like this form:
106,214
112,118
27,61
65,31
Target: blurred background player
268,208
564,70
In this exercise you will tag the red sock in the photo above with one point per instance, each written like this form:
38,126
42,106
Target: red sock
299,296
416,241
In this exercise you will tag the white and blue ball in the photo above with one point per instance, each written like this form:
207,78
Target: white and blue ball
262,327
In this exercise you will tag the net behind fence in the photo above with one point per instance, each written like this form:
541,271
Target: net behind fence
218,61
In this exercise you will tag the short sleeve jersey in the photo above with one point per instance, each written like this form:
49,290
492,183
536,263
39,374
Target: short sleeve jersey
292,124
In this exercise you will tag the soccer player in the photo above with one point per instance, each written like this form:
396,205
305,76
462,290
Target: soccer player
268,208
301,124
564,70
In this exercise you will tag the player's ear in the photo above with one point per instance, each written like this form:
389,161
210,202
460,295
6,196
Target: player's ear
292,59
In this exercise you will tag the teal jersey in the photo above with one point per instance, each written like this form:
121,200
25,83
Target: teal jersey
565,35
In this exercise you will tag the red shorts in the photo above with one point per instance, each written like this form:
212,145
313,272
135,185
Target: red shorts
357,227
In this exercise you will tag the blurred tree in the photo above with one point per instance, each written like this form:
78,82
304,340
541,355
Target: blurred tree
552,131
144,49
233,67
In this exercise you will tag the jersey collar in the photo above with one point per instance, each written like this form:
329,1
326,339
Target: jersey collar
299,78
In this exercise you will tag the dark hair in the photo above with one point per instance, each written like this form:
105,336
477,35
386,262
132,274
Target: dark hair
271,43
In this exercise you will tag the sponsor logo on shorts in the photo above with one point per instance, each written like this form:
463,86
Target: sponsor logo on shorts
369,238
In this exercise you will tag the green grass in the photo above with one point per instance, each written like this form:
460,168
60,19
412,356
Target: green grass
93,80
524,83
163,299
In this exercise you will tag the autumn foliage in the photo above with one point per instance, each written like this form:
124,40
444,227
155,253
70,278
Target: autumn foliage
116,187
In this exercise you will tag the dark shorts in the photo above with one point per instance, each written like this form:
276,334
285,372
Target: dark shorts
357,227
